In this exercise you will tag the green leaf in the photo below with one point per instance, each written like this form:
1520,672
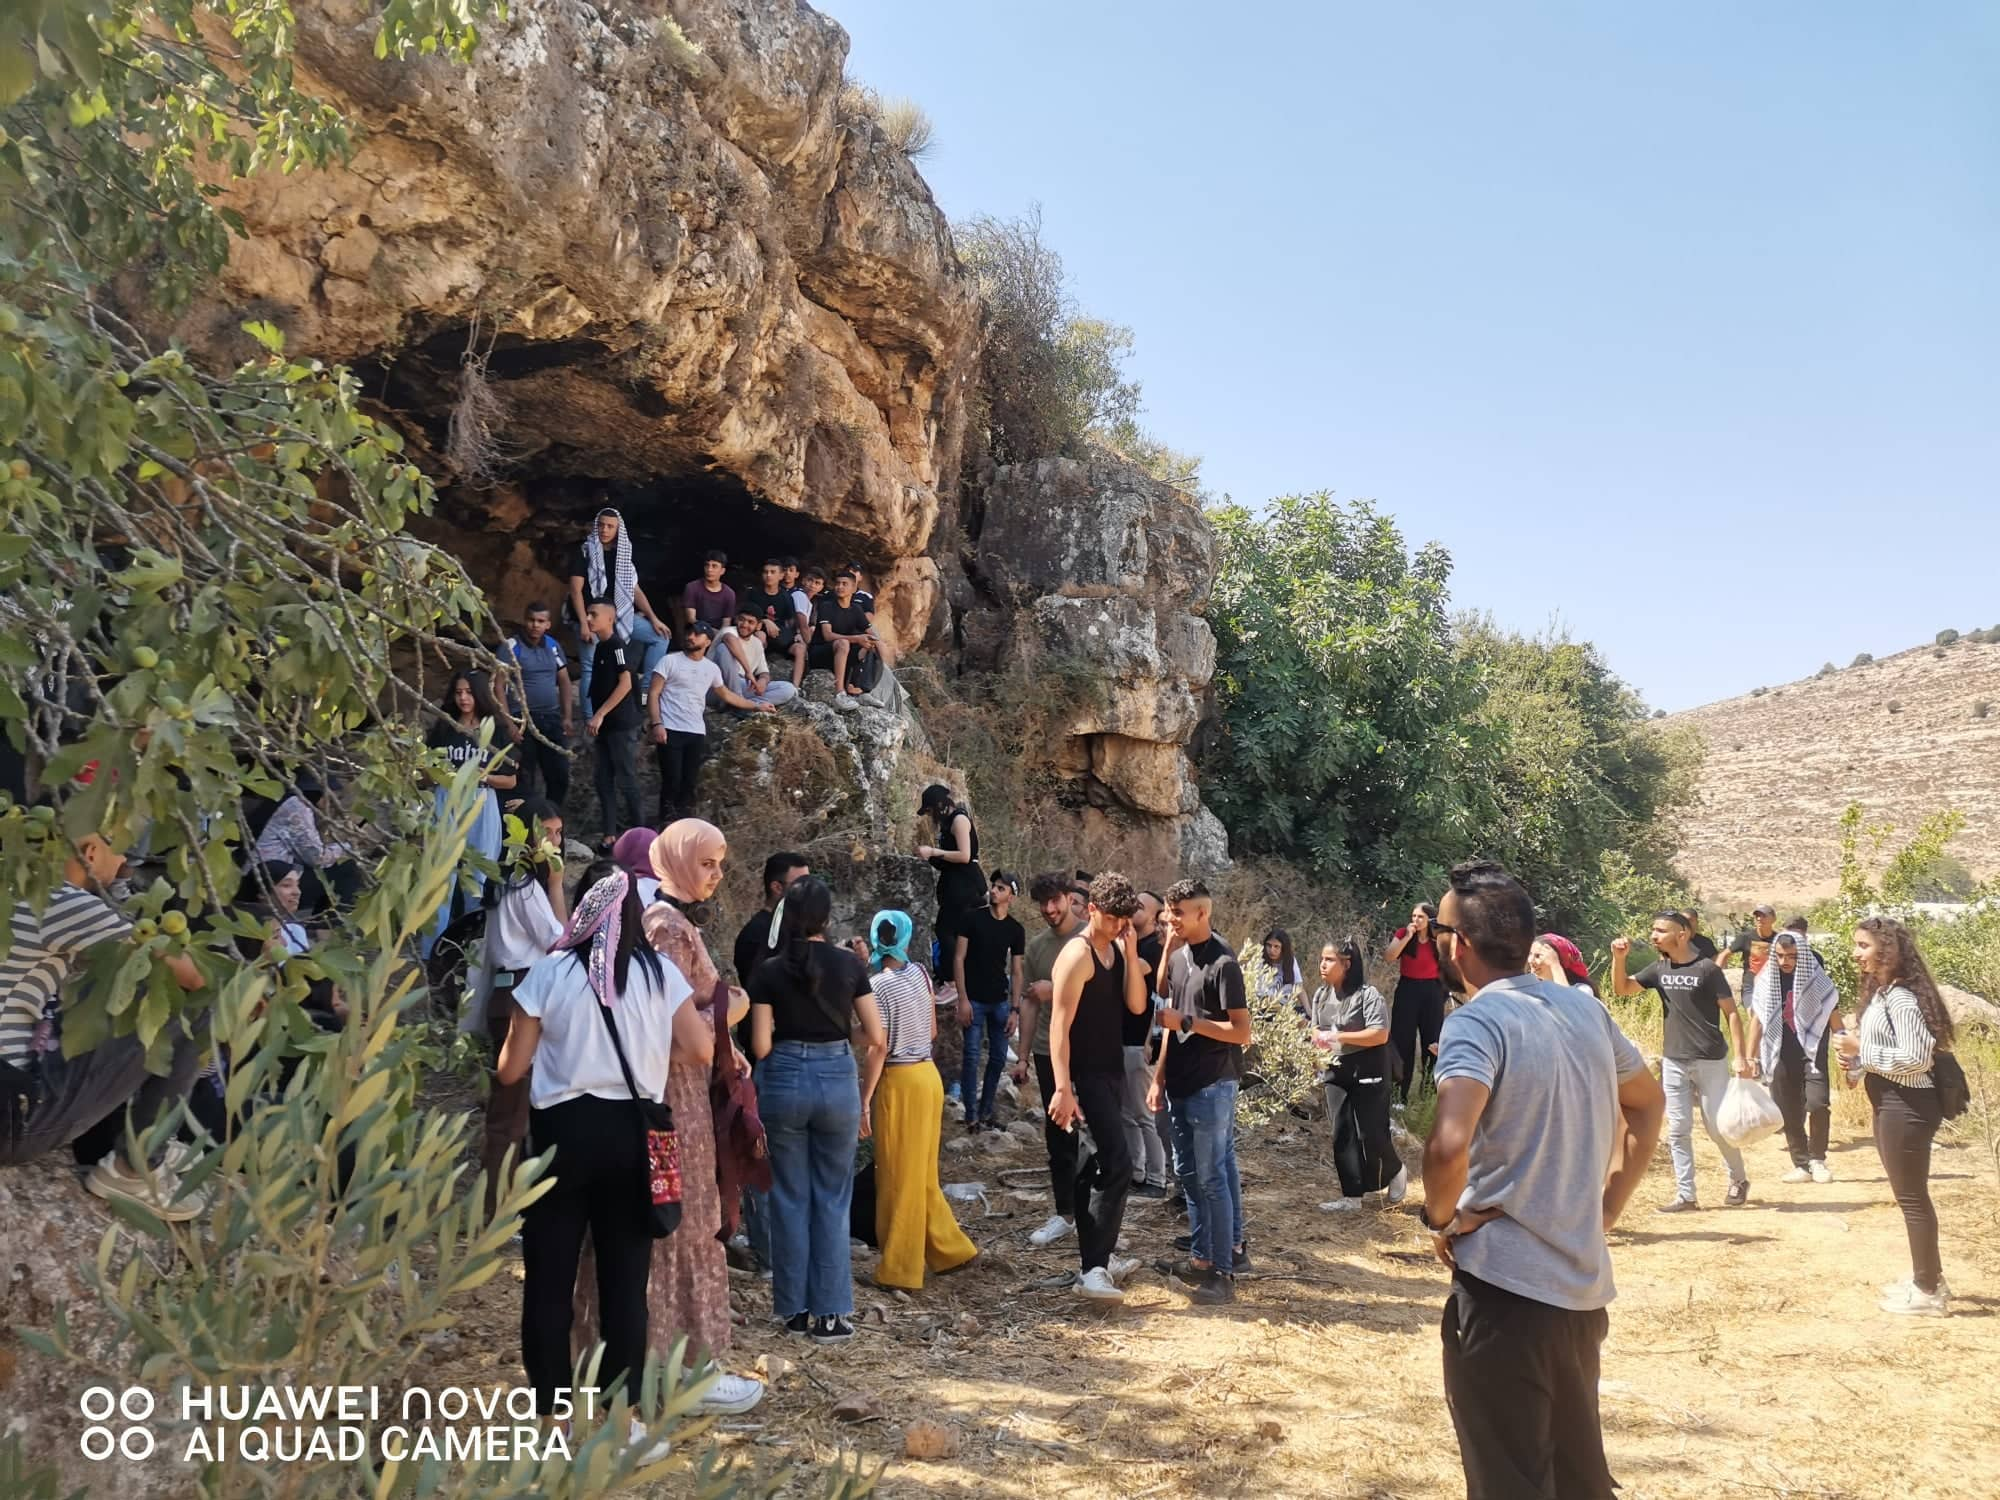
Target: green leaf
268,334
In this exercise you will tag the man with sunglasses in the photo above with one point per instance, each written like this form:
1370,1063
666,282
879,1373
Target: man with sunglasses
1537,1093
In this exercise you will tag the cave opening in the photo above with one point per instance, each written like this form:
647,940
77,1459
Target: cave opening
676,520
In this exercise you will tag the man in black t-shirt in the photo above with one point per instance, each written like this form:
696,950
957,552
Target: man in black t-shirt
1207,1021
613,724
777,616
1694,1066
1702,944
847,638
1752,949
988,967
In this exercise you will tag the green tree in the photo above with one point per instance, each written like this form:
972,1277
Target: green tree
1341,702
204,584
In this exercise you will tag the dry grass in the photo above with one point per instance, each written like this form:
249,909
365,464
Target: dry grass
1781,768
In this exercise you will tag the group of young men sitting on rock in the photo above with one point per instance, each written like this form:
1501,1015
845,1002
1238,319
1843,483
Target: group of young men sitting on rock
636,672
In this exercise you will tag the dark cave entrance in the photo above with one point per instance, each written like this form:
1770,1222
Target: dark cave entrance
676,520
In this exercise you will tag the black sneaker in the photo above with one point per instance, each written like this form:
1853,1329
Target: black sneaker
1178,1202
1153,1190
1214,1289
989,1124
831,1330
1240,1257
1738,1194
1184,1242
973,1127
798,1324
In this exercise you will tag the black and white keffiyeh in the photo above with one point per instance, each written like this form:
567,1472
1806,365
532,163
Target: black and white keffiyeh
1813,1000
618,583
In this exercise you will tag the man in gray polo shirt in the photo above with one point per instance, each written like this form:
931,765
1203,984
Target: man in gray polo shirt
1546,1119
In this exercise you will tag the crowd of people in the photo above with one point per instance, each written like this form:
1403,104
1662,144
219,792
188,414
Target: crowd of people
694,1116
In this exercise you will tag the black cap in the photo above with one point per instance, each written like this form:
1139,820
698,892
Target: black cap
701,627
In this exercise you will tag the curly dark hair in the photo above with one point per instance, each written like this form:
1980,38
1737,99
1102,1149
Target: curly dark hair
1114,895
1908,969
1186,890
1048,885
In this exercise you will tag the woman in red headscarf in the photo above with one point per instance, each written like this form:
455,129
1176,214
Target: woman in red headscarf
688,1293
1555,958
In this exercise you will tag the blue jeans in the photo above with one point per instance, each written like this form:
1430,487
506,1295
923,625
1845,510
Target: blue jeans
989,1018
1205,1139
651,650
810,1098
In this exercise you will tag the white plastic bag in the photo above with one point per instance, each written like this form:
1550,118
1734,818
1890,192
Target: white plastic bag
1748,1113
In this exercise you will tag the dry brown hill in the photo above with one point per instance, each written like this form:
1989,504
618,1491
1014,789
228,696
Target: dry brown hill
1900,736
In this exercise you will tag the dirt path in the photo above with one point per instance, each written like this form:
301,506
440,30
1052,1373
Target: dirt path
1746,1354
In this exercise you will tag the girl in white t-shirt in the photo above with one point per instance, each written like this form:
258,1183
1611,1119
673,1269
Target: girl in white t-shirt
602,972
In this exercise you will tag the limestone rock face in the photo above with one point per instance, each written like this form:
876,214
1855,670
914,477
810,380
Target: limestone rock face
1109,570
683,256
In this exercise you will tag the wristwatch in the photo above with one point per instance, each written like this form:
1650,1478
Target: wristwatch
1187,1022
1425,1215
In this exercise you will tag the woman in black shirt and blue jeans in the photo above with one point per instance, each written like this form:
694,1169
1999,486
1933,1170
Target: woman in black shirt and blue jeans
805,1000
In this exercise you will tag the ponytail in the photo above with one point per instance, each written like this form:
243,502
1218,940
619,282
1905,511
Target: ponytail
802,916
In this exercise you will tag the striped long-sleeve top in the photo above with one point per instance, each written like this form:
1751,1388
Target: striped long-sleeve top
1895,1042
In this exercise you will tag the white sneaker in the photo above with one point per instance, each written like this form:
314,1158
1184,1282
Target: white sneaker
1898,1288
1399,1186
1097,1285
1911,1303
1122,1266
638,1435
1341,1206
1057,1228
1821,1172
1797,1174
732,1395
153,1192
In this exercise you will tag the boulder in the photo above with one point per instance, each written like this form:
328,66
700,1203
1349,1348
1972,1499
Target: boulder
675,247
1092,528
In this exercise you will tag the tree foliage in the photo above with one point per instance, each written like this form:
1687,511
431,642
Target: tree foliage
1365,733
206,590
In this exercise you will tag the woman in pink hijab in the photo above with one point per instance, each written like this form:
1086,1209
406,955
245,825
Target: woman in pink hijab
688,1293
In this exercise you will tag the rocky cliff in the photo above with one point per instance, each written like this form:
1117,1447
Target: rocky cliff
699,283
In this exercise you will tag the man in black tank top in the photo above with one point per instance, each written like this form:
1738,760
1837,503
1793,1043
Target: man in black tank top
1099,979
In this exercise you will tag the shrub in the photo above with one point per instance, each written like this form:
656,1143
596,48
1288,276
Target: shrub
1758,692
1895,706
1938,652
1737,747
1946,637
1659,713
1051,377
906,126
1981,707
1828,670
1861,659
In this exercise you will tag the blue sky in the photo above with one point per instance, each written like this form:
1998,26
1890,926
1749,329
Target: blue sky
1676,323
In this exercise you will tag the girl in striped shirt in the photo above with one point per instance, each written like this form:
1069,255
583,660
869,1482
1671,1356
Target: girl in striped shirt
913,1220
1903,1020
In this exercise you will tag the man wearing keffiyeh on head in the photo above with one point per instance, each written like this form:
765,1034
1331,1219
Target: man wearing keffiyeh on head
603,570
1793,1006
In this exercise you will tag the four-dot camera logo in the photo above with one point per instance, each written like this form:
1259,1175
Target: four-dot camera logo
132,1407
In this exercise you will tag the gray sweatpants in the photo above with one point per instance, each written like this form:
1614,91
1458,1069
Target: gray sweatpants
1142,1136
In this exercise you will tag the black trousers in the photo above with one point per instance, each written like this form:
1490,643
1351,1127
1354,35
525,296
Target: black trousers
1414,1023
1520,1378
680,768
550,761
615,768
1363,1151
600,1186
1803,1097
1103,1178
83,1102
1061,1143
1906,1120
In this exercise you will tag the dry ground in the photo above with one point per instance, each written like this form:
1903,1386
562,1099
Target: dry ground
1746,1354
1781,767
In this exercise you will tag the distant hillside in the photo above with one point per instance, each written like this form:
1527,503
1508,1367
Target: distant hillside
1783,764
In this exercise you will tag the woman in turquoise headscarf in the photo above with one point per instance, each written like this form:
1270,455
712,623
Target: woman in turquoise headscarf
904,1101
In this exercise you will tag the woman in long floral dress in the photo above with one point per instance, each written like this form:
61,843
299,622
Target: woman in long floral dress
687,1295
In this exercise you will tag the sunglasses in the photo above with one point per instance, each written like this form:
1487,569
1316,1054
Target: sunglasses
1444,927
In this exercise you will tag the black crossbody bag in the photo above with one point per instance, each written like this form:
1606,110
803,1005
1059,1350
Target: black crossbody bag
662,1145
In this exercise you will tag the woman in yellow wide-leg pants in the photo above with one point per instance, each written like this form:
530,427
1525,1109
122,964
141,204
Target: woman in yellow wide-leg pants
904,1109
